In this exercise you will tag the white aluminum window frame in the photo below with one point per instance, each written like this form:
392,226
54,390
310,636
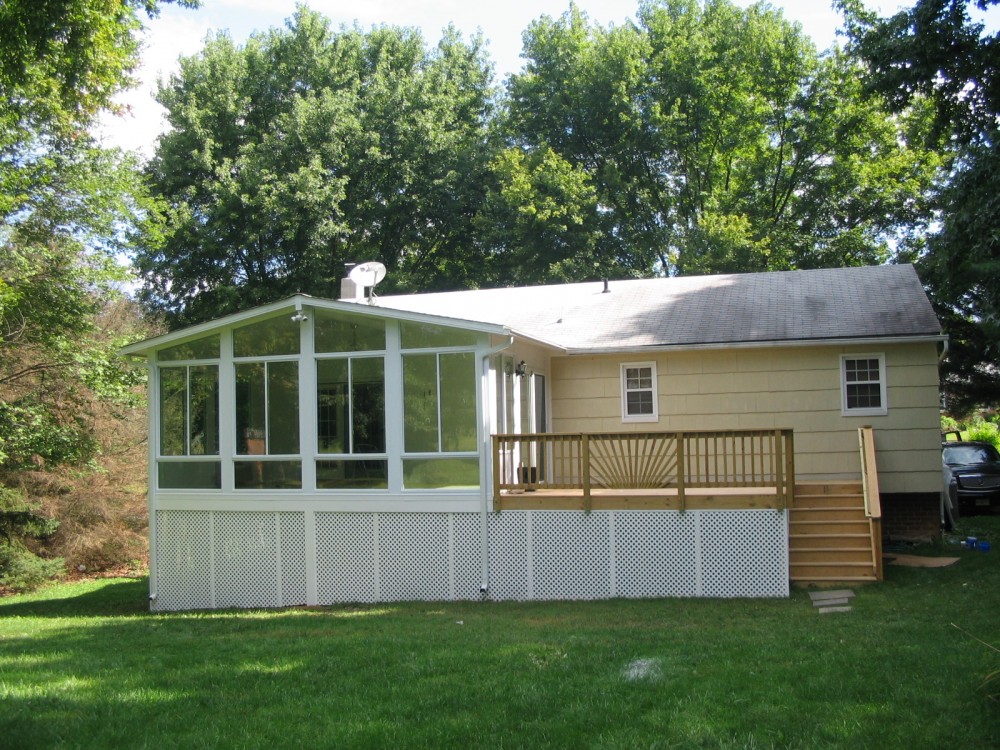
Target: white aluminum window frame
625,390
866,411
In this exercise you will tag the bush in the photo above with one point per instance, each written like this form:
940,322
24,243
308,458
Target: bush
23,570
985,432
20,568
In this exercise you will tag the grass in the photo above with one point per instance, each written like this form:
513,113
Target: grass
85,665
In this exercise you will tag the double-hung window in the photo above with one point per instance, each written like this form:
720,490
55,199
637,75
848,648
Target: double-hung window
863,391
638,382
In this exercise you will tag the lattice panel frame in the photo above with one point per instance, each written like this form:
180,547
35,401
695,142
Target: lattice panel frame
655,554
744,553
247,559
509,558
292,535
183,578
262,559
571,555
468,555
414,549
346,557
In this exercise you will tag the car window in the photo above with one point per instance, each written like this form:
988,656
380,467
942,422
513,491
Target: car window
970,454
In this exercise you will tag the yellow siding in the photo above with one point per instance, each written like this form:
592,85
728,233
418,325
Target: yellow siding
793,387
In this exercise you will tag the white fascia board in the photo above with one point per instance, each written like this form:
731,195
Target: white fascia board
797,343
297,302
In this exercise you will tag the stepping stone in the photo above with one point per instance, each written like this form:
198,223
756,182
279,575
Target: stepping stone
832,594
832,601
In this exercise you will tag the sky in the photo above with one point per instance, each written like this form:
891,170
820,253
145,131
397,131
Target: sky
180,31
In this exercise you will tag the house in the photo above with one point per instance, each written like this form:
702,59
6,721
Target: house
693,436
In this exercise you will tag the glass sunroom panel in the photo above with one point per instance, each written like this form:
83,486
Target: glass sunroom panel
368,405
440,473
251,409
272,337
204,414
333,406
173,411
283,407
189,475
458,408
204,348
268,475
427,336
353,474
346,332
420,403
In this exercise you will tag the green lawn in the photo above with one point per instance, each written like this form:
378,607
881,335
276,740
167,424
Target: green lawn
85,665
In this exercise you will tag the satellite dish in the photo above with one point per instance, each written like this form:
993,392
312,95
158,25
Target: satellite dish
366,276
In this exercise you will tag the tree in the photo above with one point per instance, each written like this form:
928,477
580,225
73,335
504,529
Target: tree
64,205
306,149
716,139
934,53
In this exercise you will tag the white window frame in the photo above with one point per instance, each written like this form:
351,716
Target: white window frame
883,395
626,417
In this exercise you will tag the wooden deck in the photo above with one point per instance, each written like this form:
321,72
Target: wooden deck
644,470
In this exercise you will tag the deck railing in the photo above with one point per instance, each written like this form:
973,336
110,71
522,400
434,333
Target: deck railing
873,503
674,461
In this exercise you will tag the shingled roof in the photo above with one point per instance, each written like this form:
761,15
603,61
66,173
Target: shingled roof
755,308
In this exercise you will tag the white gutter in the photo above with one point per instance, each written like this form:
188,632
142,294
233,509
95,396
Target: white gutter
484,511
797,343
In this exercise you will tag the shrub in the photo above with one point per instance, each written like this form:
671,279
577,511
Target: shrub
985,432
20,568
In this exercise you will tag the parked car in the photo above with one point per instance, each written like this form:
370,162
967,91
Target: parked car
971,475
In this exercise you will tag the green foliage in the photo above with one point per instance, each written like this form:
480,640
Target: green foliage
308,148
985,432
20,568
713,139
66,205
934,53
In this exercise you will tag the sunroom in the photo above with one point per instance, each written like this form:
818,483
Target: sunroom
317,398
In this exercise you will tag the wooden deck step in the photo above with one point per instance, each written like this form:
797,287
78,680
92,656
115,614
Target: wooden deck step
829,541
832,554
859,526
829,534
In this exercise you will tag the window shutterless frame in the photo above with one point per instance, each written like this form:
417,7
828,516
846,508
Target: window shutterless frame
638,392
863,385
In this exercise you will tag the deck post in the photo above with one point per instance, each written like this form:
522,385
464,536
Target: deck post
497,505
585,460
779,464
789,468
681,470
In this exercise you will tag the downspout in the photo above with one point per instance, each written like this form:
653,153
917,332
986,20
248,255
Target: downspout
484,513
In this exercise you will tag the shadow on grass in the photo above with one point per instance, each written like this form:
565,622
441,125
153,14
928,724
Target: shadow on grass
121,598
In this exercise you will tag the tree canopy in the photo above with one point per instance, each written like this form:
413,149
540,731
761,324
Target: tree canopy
717,139
309,148
935,53
702,139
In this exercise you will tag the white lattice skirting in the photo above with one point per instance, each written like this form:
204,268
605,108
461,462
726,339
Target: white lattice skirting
221,559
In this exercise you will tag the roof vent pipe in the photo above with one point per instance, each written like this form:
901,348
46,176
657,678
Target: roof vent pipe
606,287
